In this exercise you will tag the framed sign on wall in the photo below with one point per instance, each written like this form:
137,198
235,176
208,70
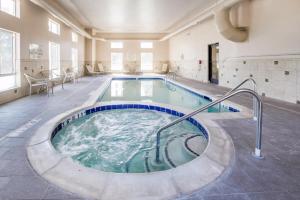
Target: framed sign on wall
35,51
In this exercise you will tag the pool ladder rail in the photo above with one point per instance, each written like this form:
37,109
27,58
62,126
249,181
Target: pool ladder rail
254,85
171,75
258,108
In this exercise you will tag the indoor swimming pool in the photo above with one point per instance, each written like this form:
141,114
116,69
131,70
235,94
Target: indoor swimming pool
157,90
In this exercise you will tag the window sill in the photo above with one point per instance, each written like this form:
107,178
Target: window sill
9,89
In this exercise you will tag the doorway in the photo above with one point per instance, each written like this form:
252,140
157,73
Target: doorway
213,63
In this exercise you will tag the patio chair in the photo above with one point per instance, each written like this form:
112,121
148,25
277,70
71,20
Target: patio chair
91,70
164,69
70,75
54,78
101,68
38,82
129,68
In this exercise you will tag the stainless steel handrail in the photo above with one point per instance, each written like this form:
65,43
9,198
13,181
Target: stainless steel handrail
254,89
242,83
257,152
171,75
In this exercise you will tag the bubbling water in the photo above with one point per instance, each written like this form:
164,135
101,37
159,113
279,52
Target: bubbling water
108,140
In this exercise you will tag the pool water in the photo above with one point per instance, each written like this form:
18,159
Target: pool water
124,141
155,90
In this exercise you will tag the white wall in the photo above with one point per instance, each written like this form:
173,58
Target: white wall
33,28
274,36
131,53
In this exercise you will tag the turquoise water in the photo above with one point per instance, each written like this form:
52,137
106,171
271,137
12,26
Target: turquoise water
123,140
155,90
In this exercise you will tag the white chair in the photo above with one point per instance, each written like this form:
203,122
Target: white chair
91,70
130,68
101,68
54,77
70,75
37,82
164,69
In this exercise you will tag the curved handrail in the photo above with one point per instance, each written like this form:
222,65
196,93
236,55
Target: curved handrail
254,89
242,83
257,152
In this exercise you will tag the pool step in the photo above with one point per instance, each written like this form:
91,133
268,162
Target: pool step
183,148
178,150
135,165
195,144
144,161
152,165
174,153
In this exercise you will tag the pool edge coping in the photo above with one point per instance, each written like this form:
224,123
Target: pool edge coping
39,149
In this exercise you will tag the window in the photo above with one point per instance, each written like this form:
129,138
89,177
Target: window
75,59
116,88
9,6
146,45
116,45
54,59
74,37
54,27
146,61
147,88
116,61
8,75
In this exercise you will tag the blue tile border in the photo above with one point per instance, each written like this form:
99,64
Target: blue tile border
126,106
145,78
123,78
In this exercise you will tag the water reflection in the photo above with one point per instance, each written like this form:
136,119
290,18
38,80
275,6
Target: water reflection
117,89
146,88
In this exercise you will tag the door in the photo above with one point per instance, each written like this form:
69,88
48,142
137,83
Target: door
54,59
213,63
117,61
146,62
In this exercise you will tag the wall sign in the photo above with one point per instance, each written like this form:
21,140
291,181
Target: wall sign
35,51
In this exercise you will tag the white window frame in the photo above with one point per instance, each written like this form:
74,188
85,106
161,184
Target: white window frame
75,60
116,45
16,7
146,45
54,72
15,68
146,66
117,66
74,37
53,27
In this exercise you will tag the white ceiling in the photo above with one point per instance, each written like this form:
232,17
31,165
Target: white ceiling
133,16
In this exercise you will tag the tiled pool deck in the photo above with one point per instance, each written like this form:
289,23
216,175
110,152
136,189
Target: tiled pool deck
275,177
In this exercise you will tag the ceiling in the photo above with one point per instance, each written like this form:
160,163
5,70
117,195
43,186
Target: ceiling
134,16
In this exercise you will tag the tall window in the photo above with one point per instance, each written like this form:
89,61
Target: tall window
116,61
8,75
74,37
54,59
75,59
116,45
54,27
146,61
146,45
9,6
